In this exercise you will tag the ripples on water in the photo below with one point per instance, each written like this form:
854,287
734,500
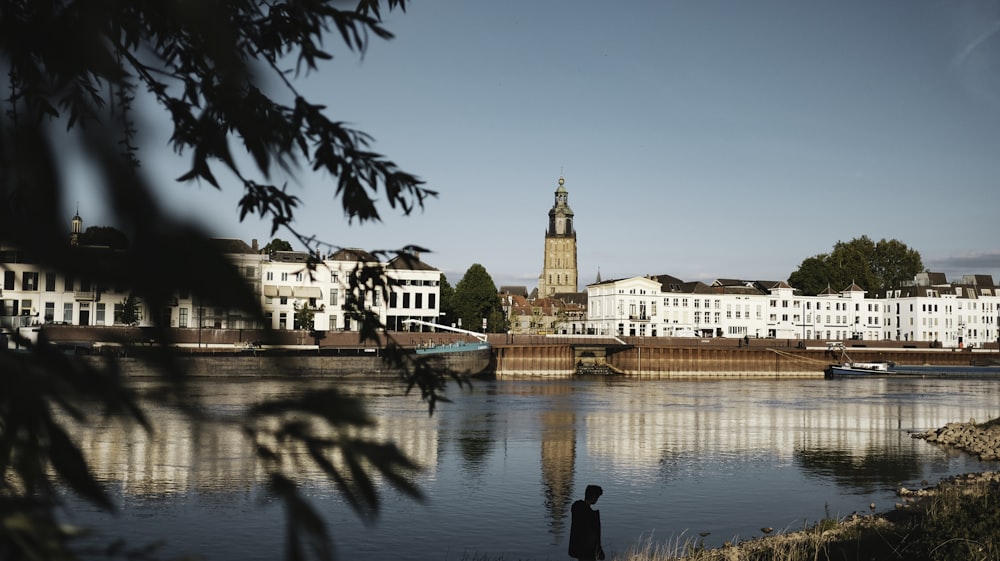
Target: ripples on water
504,461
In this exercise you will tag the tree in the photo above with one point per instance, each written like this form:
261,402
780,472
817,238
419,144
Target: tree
222,73
813,275
130,314
449,314
477,298
872,266
277,244
304,314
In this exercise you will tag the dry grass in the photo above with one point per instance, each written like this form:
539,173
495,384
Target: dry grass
958,519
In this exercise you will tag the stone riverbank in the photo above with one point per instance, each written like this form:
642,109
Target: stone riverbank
982,441
869,535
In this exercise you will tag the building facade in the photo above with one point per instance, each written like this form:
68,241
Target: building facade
962,314
291,295
559,269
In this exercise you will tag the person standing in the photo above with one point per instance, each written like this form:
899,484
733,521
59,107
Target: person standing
585,528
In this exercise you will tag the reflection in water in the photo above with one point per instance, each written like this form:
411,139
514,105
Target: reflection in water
503,462
876,469
558,461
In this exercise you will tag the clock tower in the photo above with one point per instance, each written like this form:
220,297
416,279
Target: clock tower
559,269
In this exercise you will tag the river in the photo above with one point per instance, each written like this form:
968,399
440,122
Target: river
503,462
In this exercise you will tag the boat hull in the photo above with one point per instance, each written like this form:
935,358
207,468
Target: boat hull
916,371
838,371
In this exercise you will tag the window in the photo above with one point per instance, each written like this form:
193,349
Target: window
418,301
68,283
8,280
393,299
333,297
68,312
50,282
250,271
375,300
50,312
334,277
270,275
432,301
406,300
29,281
284,276
182,317
100,313
298,277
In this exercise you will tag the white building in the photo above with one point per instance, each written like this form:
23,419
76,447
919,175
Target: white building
413,291
32,294
929,309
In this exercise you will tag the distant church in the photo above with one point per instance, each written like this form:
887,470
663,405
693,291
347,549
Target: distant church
559,272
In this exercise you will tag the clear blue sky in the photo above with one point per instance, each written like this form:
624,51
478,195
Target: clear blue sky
703,139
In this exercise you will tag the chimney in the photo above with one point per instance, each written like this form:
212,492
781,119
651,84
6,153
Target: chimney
253,244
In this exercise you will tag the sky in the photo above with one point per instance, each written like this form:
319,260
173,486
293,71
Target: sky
702,139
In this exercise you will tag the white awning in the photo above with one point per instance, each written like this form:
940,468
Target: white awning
307,292
284,291
270,290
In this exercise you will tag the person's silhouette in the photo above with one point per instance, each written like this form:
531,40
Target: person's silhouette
585,529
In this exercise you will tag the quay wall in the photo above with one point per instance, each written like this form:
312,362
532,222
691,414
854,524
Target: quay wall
215,353
709,361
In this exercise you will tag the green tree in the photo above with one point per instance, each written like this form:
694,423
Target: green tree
872,266
104,236
277,244
894,263
477,298
222,75
450,316
304,315
813,275
130,312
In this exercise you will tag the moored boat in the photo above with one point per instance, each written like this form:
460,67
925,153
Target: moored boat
860,369
464,357
850,368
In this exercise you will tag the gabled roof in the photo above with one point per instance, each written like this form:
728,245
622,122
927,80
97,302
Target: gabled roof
408,262
514,290
854,288
578,298
697,287
353,254
827,291
773,285
668,283
231,246
289,256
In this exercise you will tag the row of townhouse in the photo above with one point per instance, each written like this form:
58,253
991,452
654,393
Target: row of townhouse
929,309
30,294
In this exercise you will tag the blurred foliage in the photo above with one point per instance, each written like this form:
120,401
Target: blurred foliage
104,236
222,75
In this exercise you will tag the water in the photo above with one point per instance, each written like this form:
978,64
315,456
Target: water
504,461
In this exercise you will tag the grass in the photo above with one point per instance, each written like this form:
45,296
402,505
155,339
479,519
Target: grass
959,519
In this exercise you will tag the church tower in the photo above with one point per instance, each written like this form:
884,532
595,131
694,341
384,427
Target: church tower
76,228
559,269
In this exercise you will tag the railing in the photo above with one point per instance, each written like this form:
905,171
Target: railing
85,295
